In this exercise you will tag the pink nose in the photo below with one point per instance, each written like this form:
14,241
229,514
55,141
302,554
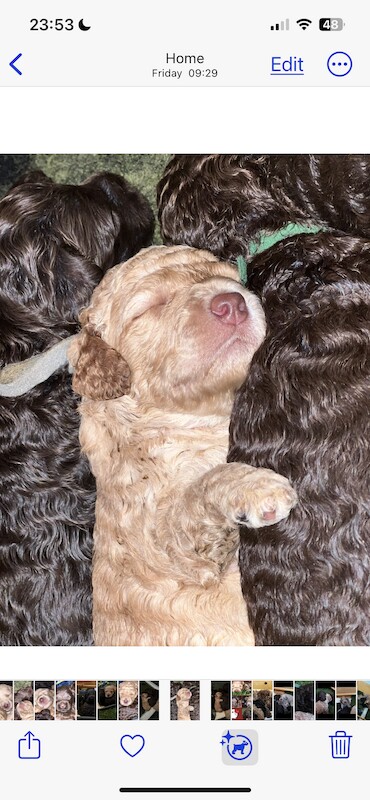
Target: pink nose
229,307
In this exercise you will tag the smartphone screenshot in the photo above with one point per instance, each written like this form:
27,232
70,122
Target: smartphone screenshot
184,400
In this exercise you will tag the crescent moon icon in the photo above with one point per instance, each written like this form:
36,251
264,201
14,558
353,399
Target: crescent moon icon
82,26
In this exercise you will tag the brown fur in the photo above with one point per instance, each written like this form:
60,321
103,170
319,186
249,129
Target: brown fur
168,505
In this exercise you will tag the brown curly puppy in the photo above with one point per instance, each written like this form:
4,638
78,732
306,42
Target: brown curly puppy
171,333
222,202
304,411
56,243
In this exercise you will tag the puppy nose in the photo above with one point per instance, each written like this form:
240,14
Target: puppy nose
229,307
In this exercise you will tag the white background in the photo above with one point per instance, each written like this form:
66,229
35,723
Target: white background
183,120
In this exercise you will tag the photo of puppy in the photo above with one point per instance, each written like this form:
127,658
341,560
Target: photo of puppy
363,700
44,700
220,700
107,700
304,700
241,700
185,700
6,700
56,243
325,700
23,700
65,703
166,341
107,694
128,700
262,700
283,700
188,393
346,700
149,700
86,700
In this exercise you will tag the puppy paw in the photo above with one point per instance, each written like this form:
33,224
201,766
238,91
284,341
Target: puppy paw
268,498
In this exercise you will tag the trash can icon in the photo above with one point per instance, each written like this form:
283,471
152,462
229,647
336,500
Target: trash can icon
340,744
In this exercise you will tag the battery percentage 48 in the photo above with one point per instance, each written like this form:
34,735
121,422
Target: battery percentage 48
331,24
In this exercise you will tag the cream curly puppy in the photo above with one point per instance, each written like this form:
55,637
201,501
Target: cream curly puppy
167,340
184,708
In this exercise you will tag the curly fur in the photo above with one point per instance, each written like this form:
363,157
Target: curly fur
220,202
56,243
168,505
303,410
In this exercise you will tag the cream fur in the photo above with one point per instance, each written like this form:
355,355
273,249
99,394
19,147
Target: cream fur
168,505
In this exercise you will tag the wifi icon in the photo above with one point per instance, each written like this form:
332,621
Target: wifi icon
304,23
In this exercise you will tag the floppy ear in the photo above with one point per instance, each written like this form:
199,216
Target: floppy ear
100,372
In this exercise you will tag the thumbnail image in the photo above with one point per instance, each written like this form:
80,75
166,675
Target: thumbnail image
44,700
363,700
304,702
325,700
6,700
262,700
101,258
241,699
346,700
185,700
107,699
283,700
128,700
65,700
86,700
149,700
23,700
220,700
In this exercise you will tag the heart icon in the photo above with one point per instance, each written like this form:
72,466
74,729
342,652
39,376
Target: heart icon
131,747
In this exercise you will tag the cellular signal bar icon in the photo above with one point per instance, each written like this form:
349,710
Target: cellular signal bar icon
280,26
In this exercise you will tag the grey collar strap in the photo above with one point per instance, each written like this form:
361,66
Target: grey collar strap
17,379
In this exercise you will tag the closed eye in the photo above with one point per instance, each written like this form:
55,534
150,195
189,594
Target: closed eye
155,305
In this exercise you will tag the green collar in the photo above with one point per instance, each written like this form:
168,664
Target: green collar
266,240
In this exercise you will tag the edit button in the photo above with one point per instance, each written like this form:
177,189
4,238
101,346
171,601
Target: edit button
292,65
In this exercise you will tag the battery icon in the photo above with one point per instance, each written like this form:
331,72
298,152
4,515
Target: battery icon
331,24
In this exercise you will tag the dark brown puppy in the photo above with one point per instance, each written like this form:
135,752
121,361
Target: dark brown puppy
56,243
304,412
304,408
221,202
